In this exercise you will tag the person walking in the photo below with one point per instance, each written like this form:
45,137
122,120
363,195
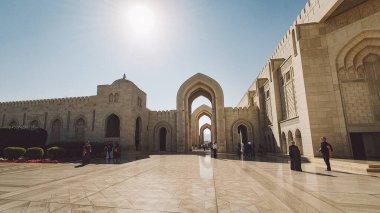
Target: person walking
249,150
215,149
109,151
295,157
326,150
86,154
116,153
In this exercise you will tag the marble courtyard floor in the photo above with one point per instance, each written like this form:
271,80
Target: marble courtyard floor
184,183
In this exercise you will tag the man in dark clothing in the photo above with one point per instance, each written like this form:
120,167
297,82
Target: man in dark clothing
295,157
326,150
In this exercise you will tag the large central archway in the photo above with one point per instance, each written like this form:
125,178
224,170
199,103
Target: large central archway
196,86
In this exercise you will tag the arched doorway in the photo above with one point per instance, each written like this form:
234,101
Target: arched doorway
163,134
158,137
196,86
112,126
202,131
290,137
56,130
298,140
80,126
199,114
243,133
138,134
284,145
358,69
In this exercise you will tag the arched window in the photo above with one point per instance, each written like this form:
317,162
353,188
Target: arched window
116,97
113,126
34,124
56,130
110,99
138,134
80,129
163,133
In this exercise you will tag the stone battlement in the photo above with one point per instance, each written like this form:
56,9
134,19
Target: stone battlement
83,99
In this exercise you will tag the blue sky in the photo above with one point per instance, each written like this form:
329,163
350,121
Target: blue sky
54,49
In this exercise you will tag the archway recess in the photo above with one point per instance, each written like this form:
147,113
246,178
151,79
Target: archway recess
240,128
201,133
284,145
159,137
200,85
199,112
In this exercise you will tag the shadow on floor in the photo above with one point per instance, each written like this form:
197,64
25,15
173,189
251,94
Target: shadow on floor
124,159
321,174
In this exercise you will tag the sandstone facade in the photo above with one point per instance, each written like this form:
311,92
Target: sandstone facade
322,80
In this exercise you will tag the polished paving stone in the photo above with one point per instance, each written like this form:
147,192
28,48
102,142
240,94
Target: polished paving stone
184,183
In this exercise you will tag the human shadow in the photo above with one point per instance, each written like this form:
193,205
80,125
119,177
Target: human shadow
124,159
318,173
80,165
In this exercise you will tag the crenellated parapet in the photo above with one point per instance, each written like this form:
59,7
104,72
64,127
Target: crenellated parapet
238,110
28,103
163,115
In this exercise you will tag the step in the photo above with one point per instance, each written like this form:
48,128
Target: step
374,166
373,170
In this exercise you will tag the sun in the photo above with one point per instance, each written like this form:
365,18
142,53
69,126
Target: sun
141,19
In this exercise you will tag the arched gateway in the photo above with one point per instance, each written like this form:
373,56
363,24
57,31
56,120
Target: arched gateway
200,85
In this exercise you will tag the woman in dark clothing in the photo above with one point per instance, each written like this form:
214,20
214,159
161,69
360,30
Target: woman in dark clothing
295,157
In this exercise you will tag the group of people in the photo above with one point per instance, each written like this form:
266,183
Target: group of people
295,155
246,150
113,152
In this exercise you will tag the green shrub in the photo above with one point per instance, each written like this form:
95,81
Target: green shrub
55,152
22,137
13,153
34,153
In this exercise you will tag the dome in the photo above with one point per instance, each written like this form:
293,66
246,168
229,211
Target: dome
121,80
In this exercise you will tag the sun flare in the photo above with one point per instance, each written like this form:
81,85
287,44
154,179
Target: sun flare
141,19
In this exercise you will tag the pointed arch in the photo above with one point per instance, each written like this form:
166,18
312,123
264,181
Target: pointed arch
239,135
195,86
201,132
202,110
80,128
112,129
290,137
157,136
298,140
284,144
56,127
